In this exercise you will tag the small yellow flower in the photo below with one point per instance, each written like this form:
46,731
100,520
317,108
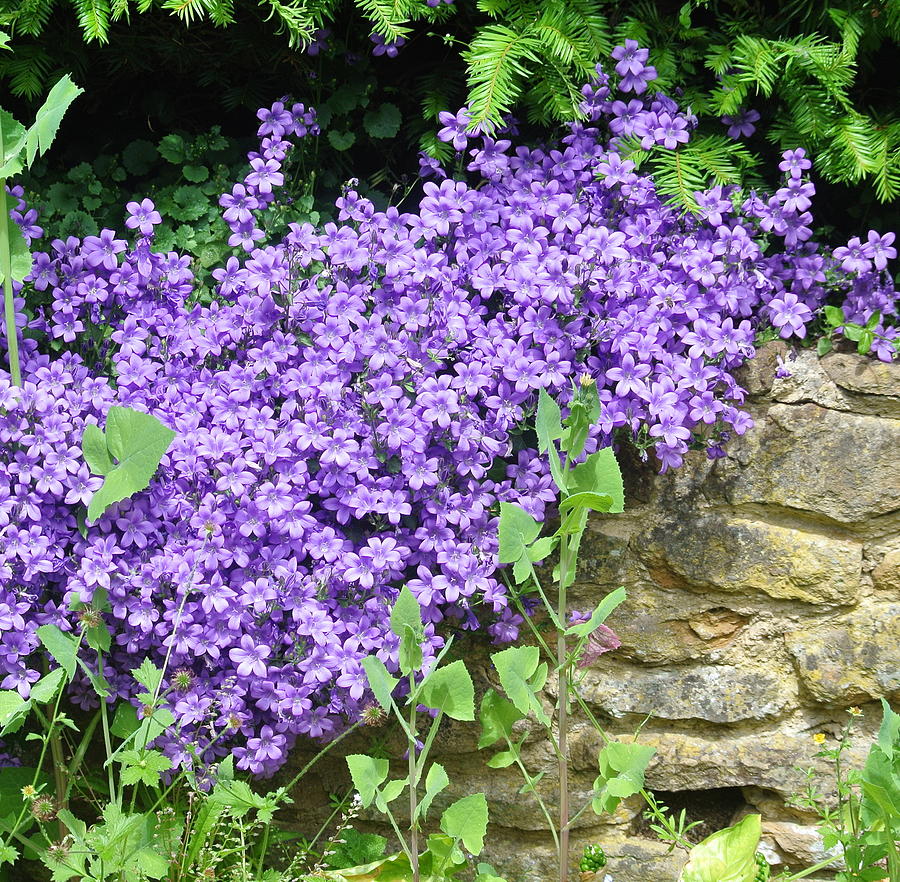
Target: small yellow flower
854,711
819,737
28,792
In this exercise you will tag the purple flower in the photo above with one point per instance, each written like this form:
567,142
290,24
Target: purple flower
250,657
741,124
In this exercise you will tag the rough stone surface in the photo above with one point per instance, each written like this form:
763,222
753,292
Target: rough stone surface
743,555
763,600
853,658
714,693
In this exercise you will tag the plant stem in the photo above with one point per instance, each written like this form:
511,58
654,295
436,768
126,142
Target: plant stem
9,308
562,703
107,740
413,823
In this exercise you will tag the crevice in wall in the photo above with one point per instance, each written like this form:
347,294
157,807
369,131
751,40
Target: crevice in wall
714,808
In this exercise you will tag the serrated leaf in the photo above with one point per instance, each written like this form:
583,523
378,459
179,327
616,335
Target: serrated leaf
381,682
46,688
599,615
148,675
600,473
19,252
11,705
137,442
467,819
40,135
406,613
13,141
368,773
517,530
449,689
516,666
341,140
389,793
383,122
63,647
622,766
497,717
171,148
548,422
435,781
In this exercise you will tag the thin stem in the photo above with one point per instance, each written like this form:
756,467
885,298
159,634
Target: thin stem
807,872
562,704
107,739
413,782
531,784
9,307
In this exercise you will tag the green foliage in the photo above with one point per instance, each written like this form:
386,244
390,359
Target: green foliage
448,689
727,855
127,455
622,766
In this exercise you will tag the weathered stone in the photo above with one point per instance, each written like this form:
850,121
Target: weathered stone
799,845
737,554
758,374
842,466
851,658
886,576
717,625
867,376
769,758
716,693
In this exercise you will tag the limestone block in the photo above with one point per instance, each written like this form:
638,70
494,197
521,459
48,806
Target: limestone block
840,465
866,376
886,576
715,693
851,658
799,845
772,759
741,555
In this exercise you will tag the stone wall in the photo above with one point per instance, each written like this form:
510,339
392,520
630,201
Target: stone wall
763,600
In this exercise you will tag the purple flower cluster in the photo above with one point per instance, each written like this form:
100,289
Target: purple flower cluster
355,400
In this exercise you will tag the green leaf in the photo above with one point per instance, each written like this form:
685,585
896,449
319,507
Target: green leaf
517,530
19,252
600,474
143,766
548,423
435,781
381,682
63,647
368,774
355,848
93,446
389,793
541,548
497,717
409,654
172,149
40,136
824,346
341,140
138,157
727,855
138,441
518,668
125,722
467,819
148,675
450,690
13,140
586,500
383,122
834,315
195,173
599,615
622,767
406,613
11,705
46,688
502,760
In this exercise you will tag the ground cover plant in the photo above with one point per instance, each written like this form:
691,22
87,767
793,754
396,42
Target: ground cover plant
355,401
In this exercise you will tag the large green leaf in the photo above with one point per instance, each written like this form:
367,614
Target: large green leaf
726,856
600,614
63,647
19,252
380,681
135,443
522,675
497,717
622,767
368,773
435,781
449,689
600,473
548,422
40,136
517,530
13,133
467,820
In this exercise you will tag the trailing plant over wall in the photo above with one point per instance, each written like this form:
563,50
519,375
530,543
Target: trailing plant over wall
353,401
